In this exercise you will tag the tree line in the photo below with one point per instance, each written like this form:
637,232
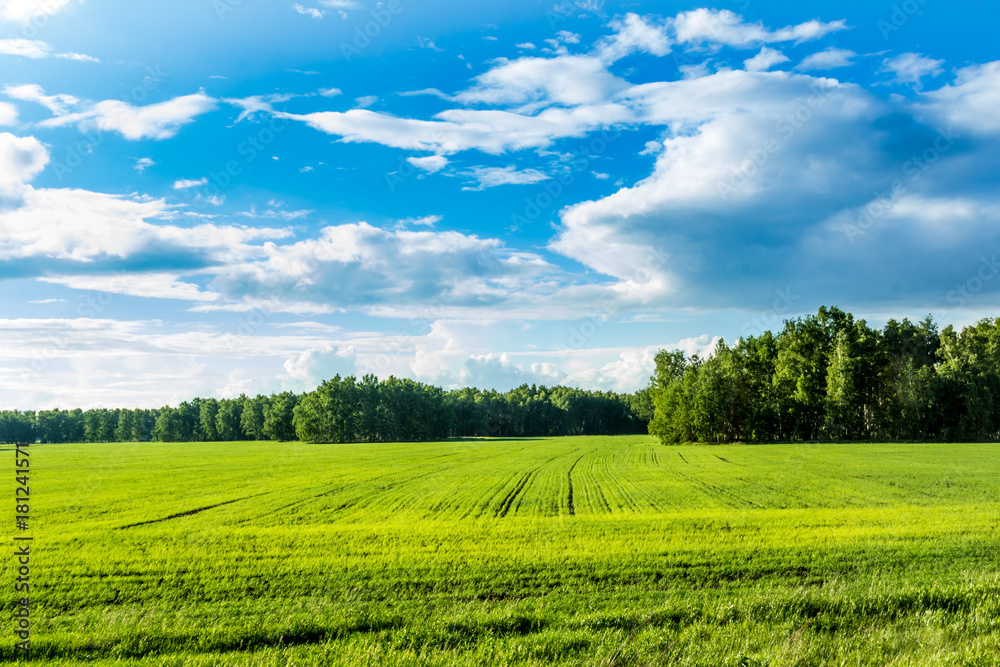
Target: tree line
347,410
831,377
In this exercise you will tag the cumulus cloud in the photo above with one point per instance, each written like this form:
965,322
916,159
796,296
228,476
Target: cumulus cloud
634,34
911,68
8,114
309,368
21,159
970,102
71,231
724,27
357,266
765,60
23,11
154,121
567,80
431,163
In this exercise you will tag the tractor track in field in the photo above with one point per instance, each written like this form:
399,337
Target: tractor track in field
511,496
720,492
184,514
569,478
683,459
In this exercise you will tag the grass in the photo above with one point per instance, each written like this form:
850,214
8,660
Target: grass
576,551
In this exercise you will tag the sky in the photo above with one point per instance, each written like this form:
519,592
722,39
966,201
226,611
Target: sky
216,197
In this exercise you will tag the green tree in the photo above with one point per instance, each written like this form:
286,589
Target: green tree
279,417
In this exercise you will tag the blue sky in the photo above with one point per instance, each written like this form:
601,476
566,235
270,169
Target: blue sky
220,196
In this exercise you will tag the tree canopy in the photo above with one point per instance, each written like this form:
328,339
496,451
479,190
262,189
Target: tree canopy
830,376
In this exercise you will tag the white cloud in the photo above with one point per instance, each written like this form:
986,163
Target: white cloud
360,266
911,68
490,131
189,183
724,27
491,177
365,101
527,46
256,103
652,148
21,159
57,104
151,285
830,58
566,80
90,227
311,12
25,48
633,34
329,92
23,11
765,60
431,163
31,48
314,365
143,163
706,181
155,121
8,114
970,103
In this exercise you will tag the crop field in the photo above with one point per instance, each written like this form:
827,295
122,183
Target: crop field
575,551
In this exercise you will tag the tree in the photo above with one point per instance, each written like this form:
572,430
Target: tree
279,417
252,417
169,426
229,419
208,419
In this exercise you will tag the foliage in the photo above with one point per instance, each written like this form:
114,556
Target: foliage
347,410
831,377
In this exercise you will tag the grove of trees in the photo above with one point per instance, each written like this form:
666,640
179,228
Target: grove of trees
831,377
347,410
822,377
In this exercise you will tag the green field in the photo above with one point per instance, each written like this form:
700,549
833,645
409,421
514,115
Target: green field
577,551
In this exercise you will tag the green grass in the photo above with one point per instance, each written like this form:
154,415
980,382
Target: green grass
477,553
